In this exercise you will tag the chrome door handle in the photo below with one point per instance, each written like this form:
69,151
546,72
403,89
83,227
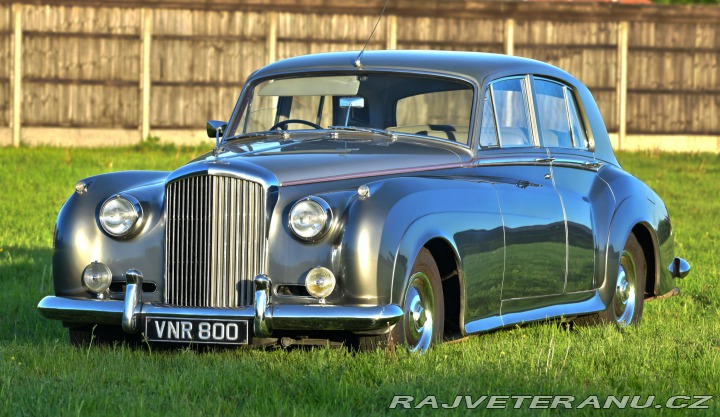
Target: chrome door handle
544,159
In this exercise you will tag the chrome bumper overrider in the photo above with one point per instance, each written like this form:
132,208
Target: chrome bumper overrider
264,315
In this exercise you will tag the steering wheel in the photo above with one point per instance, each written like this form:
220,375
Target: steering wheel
284,123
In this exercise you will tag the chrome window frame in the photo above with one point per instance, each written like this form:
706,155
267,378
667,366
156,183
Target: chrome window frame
581,119
489,97
528,94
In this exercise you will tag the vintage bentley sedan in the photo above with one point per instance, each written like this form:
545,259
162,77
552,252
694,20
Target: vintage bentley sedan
410,196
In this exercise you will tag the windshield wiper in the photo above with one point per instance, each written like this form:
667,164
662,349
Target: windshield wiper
372,130
284,134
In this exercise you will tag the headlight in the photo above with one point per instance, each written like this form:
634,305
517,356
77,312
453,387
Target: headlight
97,277
310,218
320,282
120,215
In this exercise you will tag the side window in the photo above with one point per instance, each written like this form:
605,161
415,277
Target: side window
511,111
488,131
558,116
580,138
552,114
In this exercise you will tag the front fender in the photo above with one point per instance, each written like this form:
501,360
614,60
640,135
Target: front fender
79,239
385,231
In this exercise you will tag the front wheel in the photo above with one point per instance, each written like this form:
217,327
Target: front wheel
83,336
423,321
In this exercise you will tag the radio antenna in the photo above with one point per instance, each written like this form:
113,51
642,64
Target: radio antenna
358,64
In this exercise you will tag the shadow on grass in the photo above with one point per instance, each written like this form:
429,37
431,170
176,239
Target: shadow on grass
25,278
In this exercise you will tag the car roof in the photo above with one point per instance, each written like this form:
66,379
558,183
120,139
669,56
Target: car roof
476,66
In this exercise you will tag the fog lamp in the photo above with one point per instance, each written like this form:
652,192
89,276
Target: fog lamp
97,277
320,282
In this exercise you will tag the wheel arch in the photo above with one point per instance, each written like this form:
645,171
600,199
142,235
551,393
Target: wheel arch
427,233
447,260
641,217
648,242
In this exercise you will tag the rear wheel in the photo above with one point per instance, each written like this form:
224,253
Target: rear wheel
422,323
626,306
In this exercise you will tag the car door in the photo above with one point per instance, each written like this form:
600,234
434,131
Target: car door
574,173
532,212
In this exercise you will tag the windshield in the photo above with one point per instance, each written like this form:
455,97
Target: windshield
410,104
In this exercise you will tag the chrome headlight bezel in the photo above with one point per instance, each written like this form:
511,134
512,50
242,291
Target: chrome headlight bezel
137,221
321,206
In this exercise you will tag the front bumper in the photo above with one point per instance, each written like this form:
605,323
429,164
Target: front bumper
264,315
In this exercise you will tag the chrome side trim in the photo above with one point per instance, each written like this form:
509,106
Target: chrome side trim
133,301
578,163
585,302
509,160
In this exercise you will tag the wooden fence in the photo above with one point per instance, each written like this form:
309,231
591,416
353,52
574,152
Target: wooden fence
89,72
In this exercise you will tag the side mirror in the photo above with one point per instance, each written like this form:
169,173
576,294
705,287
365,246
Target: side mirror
215,128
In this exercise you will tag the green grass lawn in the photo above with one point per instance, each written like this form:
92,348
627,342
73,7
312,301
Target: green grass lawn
676,350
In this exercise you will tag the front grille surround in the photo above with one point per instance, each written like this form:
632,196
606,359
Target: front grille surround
215,241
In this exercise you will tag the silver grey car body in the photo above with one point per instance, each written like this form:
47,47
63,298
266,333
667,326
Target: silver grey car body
520,229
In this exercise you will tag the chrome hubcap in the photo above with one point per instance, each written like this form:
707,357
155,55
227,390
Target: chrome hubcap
625,287
419,307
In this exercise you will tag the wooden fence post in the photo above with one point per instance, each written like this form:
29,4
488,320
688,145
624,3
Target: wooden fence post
145,76
622,69
509,36
271,46
391,38
17,74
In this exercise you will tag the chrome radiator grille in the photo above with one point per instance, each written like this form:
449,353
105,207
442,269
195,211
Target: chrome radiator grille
214,241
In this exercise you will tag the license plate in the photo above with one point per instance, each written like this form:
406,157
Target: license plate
212,331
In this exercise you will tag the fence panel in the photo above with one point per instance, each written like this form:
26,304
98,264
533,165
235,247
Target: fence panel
83,60
587,50
5,63
673,78
479,35
199,62
80,66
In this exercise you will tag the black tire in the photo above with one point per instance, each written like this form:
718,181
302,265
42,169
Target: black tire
83,336
423,323
80,336
626,306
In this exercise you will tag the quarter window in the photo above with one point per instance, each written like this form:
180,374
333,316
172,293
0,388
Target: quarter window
511,111
580,138
488,131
